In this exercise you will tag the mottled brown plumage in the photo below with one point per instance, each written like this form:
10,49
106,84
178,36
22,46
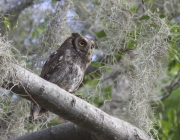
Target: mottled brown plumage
66,66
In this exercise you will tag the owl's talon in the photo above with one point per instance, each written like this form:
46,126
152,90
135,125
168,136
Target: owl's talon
80,96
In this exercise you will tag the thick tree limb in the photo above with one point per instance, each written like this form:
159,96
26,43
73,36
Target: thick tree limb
16,6
68,131
74,109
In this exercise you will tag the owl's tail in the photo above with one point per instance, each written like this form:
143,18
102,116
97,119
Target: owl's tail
36,111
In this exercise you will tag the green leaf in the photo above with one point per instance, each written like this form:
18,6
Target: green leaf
107,90
98,101
165,126
54,122
96,64
101,34
131,44
93,82
172,116
145,17
133,9
162,16
7,24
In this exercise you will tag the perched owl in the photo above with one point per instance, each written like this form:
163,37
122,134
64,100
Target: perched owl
66,66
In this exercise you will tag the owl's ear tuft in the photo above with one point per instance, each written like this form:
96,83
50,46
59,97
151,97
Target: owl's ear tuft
76,34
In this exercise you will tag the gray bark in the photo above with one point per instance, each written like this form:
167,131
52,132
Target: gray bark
74,109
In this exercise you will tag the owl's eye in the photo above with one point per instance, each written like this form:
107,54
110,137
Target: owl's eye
82,43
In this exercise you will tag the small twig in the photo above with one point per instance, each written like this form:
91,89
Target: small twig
168,89
144,7
27,91
141,5
143,2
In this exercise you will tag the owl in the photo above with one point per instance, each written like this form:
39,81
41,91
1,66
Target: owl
66,66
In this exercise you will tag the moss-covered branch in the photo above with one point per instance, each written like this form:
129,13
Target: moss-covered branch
74,109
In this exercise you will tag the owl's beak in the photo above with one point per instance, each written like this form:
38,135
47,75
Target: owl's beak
89,51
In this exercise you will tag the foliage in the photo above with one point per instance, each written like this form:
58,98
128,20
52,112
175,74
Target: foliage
169,110
6,21
136,58
169,117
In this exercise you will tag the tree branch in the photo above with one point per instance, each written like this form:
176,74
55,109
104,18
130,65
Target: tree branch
173,85
68,131
16,6
12,11
74,109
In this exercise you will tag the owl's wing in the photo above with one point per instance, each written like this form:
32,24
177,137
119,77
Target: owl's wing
48,68
51,64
